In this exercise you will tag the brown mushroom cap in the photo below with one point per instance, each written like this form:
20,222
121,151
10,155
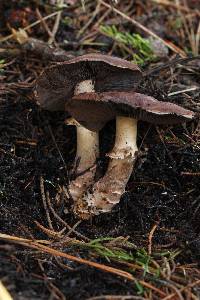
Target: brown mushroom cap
57,83
93,110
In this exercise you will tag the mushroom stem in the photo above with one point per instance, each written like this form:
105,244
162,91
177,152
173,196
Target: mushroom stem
107,192
87,151
125,139
86,155
87,148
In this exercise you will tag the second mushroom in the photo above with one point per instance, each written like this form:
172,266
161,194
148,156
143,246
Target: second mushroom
127,108
94,89
89,73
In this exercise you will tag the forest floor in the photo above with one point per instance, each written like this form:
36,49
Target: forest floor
148,247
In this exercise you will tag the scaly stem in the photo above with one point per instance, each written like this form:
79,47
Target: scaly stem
107,192
87,152
86,156
87,148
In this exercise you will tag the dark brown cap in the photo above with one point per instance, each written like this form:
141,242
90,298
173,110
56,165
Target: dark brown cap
93,110
57,83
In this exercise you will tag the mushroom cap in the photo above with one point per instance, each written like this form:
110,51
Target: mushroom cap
55,86
93,110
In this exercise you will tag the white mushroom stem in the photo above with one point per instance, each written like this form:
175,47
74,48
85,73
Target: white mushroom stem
87,148
87,151
107,192
86,155
125,139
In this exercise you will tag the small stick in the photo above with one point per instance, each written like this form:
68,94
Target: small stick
177,292
90,20
50,233
190,285
194,88
45,25
73,228
45,202
63,222
150,238
56,24
28,142
100,20
190,174
55,292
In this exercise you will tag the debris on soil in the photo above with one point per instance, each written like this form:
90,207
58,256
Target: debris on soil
148,247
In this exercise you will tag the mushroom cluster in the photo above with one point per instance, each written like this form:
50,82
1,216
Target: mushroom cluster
95,89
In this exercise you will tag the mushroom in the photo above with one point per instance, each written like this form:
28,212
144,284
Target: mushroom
93,110
84,74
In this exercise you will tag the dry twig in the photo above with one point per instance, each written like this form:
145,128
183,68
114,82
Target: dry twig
45,202
150,238
56,24
63,222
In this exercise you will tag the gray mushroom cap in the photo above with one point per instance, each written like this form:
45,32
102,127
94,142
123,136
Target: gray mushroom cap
93,110
55,86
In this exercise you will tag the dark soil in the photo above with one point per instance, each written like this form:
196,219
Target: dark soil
164,187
